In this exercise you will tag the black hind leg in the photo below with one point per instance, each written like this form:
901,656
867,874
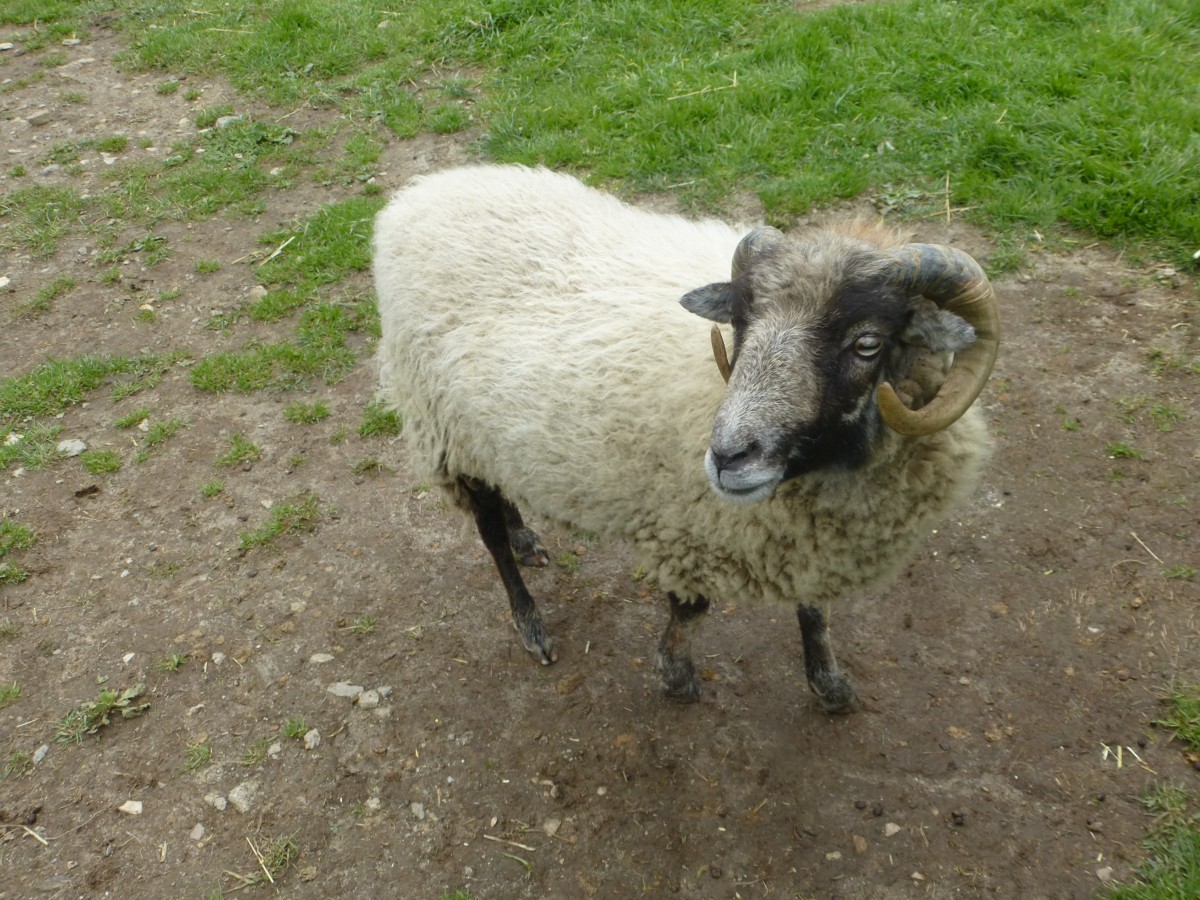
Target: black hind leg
674,656
524,541
493,518
830,685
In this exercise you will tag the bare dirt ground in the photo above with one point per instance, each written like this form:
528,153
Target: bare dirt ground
1011,677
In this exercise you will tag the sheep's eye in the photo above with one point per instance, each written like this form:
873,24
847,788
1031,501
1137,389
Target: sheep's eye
868,346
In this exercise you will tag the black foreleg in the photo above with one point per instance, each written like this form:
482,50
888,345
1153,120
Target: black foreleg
492,516
674,656
830,685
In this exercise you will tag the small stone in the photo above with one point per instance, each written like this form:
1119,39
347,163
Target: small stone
833,856
226,121
890,829
877,809
197,833
374,804
551,826
345,689
40,753
1095,825
242,797
6,46
917,876
385,692
71,447
128,657
132,807
312,739
215,800
12,437
368,699
601,791
41,117
318,658
958,818
417,809
860,844
1105,873
860,804
275,749
218,658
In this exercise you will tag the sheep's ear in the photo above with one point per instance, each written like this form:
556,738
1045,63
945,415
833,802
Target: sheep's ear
938,330
713,301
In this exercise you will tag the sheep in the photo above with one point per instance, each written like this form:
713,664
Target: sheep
535,340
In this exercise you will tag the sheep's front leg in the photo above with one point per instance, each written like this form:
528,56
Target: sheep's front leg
524,541
674,655
492,517
830,685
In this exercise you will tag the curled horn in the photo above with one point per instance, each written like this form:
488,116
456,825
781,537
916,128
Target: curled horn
956,283
748,249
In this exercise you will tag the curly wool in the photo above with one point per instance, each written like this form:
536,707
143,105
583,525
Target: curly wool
533,339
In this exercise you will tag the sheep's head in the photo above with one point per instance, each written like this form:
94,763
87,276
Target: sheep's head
824,324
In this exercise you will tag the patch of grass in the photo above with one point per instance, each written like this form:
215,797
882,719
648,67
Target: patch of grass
1184,715
100,462
207,266
9,630
211,488
379,421
302,515
295,728
275,305
32,448
14,536
1164,416
256,753
306,413
89,717
1172,871
568,562
1178,571
166,88
241,450
371,467
172,663
17,763
9,694
43,300
364,625
36,218
327,246
1121,450
114,144
157,435
133,419
197,755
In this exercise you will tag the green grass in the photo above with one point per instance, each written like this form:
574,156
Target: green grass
1039,113
302,515
241,450
197,755
89,717
211,488
306,413
9,694
1172,869
379,421
100,462
43,300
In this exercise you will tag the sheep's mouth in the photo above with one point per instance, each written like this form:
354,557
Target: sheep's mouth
742,485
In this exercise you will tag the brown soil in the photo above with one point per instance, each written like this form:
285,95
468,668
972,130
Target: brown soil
1011,677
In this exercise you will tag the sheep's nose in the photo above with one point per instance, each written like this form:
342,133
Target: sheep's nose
732,459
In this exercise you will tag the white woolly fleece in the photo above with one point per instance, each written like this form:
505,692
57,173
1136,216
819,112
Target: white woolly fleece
533,339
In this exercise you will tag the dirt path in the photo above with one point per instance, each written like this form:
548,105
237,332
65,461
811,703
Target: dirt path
1033,634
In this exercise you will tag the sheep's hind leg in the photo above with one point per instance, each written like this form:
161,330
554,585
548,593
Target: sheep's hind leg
830,685
524,541
491,513
674,657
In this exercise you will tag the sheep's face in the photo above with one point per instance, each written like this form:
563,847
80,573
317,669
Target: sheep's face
817,327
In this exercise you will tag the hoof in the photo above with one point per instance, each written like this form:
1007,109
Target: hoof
679,678
835,694
537,642
528,549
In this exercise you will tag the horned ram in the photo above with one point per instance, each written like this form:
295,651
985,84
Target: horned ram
535,340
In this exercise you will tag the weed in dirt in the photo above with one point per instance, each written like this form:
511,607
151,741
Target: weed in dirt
379,421
1179,571
172,663
100,462
157,435
1184,715
371,467
37,446
364,625
306,413
207,266
568,562
43,300
197,755
303,515
1121,450
134,418
256,753
325,247
166,88
89,717
11,573
241,450
273,859
295,728
17,763
1165,416
9,694
9,630
14,536
210,489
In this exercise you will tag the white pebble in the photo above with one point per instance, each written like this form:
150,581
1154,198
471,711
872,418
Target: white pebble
345,689
890,829
215,800
242,797
218,658
312,739
318,658
72,447
197,833
40,753
133,807
368,699
418,810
